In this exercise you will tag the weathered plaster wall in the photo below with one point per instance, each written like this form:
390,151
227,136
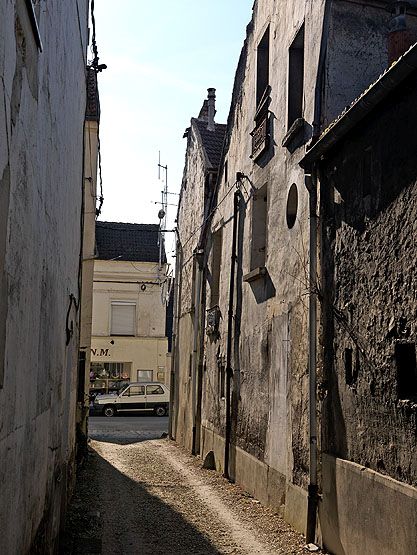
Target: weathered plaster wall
358,35
41,170
270,356
368,252
88,255
190,218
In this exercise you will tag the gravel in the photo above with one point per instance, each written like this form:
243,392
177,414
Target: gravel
151,497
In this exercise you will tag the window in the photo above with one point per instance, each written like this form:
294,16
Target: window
405,357
145,375
123,318
222,379
296,78
216,258
135,390
154,390
262,68
292,205
259,228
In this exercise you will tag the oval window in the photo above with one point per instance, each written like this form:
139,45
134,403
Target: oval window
292,205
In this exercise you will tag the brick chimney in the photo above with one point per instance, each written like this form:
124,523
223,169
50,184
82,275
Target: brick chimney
211,100
400,37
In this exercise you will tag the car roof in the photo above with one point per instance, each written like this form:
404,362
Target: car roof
147,383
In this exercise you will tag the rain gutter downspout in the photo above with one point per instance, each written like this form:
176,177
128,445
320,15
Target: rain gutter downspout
229,370
199,259
311,184
172,403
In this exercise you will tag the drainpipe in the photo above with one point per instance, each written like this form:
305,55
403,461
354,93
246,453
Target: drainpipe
172,404
229,370
199,258
311,184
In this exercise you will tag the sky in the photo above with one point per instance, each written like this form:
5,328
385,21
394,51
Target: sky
161,57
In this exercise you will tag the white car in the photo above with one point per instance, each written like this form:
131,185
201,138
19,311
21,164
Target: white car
136,397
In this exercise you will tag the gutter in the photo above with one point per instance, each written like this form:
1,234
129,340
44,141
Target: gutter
311,184
364,105
174,371
230,318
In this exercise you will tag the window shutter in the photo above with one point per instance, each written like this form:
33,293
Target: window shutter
123,318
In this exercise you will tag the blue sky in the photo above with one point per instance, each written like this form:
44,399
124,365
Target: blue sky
161,57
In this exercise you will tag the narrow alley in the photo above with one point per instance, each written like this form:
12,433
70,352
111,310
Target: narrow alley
140,495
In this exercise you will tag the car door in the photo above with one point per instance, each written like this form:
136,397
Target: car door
133,398
155,396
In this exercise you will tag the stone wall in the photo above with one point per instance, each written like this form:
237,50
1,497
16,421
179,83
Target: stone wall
369,213
42,107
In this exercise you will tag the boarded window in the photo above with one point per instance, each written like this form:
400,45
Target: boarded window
262,68
259,228
296,78
216,259
123,318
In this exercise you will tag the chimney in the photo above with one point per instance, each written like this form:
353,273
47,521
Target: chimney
400,37
211,100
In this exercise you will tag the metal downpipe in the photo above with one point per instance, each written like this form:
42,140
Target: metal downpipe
311,183
197,306
172,403
229,370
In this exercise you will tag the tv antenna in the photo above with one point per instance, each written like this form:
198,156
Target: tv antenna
162,214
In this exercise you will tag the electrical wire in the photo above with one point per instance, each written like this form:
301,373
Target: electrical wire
209,215
97,68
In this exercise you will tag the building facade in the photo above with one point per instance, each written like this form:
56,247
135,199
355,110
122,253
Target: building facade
247,357
43,57
129,341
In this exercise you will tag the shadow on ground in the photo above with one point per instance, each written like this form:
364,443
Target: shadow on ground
125,438
111,514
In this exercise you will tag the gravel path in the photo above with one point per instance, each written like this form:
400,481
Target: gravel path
152,498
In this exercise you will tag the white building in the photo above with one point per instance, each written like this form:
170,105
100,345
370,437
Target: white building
129,341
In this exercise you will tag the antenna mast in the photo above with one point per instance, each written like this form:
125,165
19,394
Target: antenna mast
162,214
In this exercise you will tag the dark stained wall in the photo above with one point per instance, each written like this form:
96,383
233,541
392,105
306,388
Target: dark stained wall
369,208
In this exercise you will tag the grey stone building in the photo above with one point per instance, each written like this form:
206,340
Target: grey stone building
43,50
247,360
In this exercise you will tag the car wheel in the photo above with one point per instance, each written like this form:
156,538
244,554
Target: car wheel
109,411
160,411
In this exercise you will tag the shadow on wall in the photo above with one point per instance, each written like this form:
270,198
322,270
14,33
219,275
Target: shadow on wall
112,513
263,288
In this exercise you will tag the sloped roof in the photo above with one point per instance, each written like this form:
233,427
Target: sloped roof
396,73
125,241
212,140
